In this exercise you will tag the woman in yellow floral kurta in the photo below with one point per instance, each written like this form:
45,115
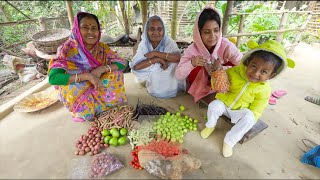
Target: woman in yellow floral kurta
86,72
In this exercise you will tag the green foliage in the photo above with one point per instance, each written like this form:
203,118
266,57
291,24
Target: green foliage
10,35
310,39
221,7
192,10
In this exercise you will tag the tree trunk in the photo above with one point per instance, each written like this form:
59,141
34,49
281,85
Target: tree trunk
283,21
291,4
226,17
124,16
102,9
144,9
70,13
129,14
174,20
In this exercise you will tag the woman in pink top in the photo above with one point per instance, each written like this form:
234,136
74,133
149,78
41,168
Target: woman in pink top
208,52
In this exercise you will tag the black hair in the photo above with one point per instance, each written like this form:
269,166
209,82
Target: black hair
208,14
83,15
267,57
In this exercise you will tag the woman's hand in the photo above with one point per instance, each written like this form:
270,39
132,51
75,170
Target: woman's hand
95,81
213,67
198,61
152,54
98,71
164,65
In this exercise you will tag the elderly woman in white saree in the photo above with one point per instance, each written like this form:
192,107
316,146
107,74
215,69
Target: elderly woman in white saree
156,59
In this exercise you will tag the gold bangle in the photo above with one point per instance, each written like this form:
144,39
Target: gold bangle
107,69
150,62
79,79
167,55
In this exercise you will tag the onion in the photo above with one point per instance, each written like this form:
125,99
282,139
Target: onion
87,149
81,153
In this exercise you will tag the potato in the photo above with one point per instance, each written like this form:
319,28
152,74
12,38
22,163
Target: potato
76,152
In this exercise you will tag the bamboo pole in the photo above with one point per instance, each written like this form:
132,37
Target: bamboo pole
274,12
174,20
16,44
313,22
262,32
18,22
9,52
144,9
297,39
226,17
11,23
70,13
17,9
241,26
283,22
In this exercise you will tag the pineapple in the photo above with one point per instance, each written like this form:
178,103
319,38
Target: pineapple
220,81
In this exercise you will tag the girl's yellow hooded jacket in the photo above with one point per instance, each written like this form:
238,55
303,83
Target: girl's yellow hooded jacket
245,94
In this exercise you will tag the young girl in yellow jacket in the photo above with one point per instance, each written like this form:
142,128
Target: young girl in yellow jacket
248,94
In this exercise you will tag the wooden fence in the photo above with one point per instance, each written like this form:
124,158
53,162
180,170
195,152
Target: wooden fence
281,30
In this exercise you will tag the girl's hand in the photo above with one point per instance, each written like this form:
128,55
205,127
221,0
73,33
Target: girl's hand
152,54
198,61
98,71
95,81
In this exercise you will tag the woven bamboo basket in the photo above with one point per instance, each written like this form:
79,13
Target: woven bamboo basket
37,101
48,41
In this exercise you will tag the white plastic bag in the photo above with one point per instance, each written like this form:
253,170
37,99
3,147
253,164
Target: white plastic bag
28,73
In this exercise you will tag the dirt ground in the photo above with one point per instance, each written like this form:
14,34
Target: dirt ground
41,144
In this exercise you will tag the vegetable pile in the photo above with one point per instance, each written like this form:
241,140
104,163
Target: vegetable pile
104,164
141,136
162,147
91,143
116,117
135,162
172,127
114,137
